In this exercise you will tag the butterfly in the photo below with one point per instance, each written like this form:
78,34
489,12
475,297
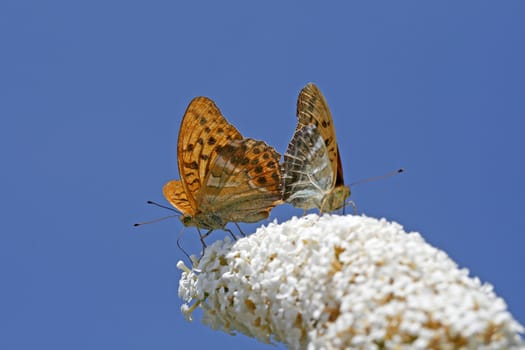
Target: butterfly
312,168
224,177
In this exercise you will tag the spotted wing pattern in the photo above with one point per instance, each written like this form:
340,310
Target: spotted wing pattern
244,182
313,109
202,130
224,177
313,173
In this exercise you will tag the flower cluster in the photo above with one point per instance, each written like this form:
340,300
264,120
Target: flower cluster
345,282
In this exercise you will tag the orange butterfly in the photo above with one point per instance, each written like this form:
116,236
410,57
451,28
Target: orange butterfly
224,177
313,173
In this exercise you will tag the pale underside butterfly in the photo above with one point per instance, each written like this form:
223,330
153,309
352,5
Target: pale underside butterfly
312,168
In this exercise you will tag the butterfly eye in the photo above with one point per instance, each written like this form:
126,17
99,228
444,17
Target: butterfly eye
186,219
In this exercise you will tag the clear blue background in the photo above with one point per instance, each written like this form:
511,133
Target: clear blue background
92,94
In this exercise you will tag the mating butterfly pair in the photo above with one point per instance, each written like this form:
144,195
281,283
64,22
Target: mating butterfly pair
227,178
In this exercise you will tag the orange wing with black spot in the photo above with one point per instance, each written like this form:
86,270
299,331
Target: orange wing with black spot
203,130
244,182
175,194
312,108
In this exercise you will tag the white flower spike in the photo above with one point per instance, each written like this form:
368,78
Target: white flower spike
345,282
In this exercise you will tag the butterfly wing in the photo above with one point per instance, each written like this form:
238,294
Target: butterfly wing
202,131
313,109
175,194
308,173
244,182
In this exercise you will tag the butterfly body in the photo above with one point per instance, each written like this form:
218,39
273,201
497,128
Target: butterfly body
313,174
224,177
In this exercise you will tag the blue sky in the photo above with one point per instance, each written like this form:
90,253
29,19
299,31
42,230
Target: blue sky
92,95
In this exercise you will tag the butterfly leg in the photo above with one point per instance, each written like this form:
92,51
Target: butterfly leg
239,228
183,251
202,237
352,204
231,233
322,206
180,246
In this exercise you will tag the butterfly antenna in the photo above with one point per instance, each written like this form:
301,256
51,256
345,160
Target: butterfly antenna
154,221
163,206
370,179
180,247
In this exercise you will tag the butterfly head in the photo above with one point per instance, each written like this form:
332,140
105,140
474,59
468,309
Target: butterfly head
187,220
335,199
208,221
